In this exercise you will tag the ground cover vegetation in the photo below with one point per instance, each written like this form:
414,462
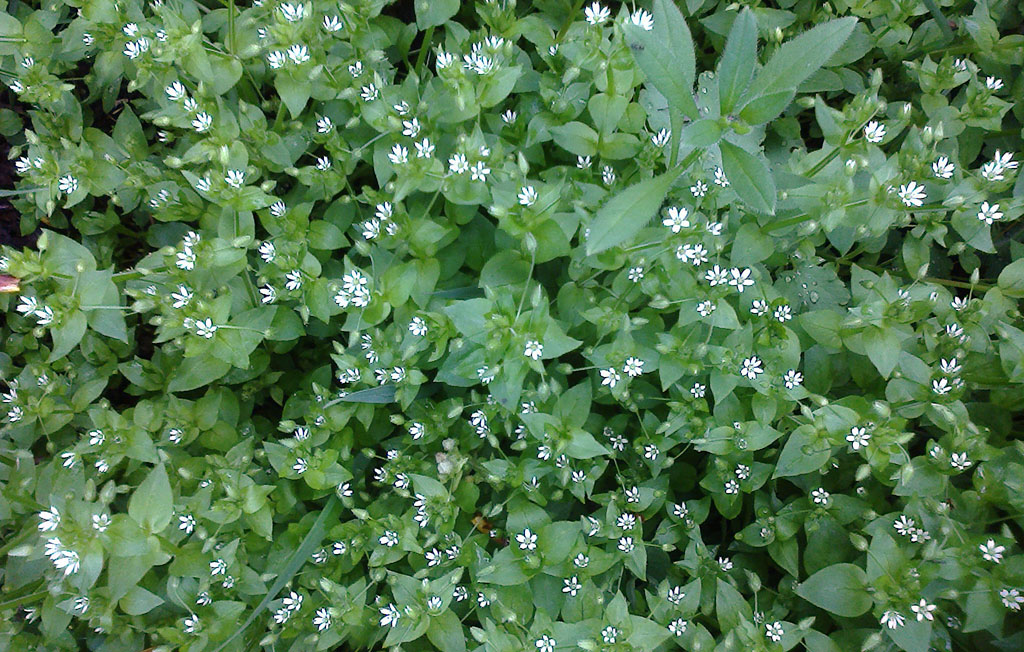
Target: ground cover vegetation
510,326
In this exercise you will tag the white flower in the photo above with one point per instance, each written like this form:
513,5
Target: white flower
527,196
608,175
332,24
581,561
356,69
369,93
202,122
610,377
191,624
458,163
698,390
989,213
1012,599
572,586
660,139
942,168
424,148
705,308
636,274
923,610
389,615
218,567
49,520
293,280
527,540
609,634
751,367
545,644
533,350
323,163
820,496
773,631
300,465
595,14
892,619
715,276
87,38
269,294
678,627
583,162
725,563
67,184
720,179
100,522
298,53
941,386
133,49
792,378
874,132
267,251
992,552
399,155
418,327
175,91
187,523
993,83
293,13
479,171
903,525
276,59
858,438
206,328
959,461
642,19
182,297
509,116
676,219
912,194
633,367
626,544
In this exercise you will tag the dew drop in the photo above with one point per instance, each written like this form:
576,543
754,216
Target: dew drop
814,296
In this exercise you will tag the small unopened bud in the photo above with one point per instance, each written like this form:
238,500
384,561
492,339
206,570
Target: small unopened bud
975,276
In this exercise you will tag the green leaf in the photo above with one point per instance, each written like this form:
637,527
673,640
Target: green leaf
152,504
382,394
430,13
666,57
646,634
797,58
446,633
626,213
736,66
576,137
702,133
731,607
606,111
802,454
196,372
751,246
840,589
883,348
1011,279
298,559
139,601
749,177
67,334
583,446
766,108
294,92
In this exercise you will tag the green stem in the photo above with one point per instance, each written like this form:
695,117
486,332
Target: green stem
428,37
31,597
939,18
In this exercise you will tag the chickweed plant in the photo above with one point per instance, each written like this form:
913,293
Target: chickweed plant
507,326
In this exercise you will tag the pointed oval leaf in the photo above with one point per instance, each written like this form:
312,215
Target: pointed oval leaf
627,212
839,588
798,58
749,177
736,66
665,55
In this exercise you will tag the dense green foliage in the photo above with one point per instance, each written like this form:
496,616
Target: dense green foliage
508,326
